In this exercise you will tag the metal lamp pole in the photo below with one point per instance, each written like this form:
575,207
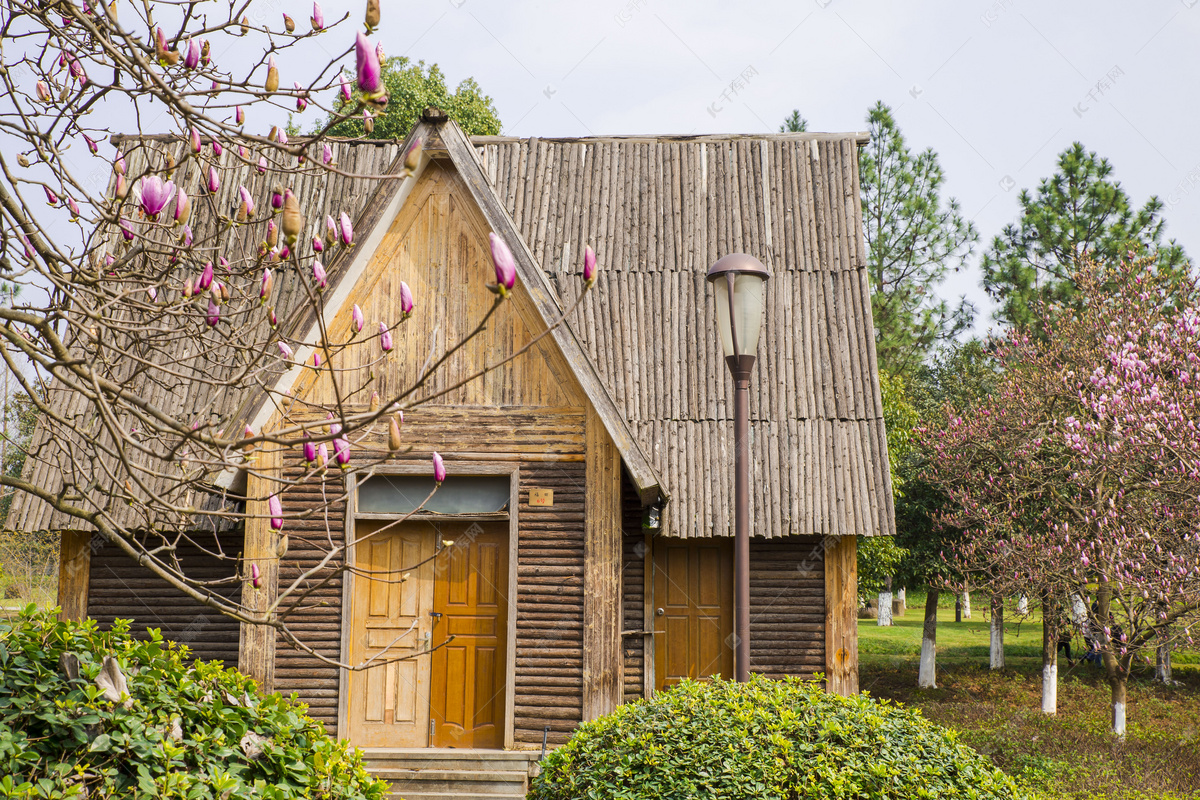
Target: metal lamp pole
739,280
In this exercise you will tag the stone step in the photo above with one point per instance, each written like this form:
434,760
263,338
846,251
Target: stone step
519,761
448,795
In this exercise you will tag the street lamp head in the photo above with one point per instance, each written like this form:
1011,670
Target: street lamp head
740,281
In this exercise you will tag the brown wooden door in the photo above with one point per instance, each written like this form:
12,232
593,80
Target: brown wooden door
389,702
470,638
693,589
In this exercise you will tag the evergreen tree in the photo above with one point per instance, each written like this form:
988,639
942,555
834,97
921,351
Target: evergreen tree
794,124
914,238
1079,211
414,87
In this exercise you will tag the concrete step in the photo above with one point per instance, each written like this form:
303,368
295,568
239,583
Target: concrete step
452,780
467,760
446,795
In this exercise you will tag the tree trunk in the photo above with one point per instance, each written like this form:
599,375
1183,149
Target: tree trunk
1023,605
1049,657
927,675
885,605
901,602
966,604
1162,660
1118,705
958,608
997,632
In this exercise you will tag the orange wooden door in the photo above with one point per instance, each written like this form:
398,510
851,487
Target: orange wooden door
389,702
470,638
693,607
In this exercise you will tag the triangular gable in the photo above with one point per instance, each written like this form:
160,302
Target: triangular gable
374,221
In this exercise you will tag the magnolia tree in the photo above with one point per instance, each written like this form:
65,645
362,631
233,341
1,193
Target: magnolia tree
1080,474
127,309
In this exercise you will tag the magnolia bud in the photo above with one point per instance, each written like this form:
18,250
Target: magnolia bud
393,433
374,405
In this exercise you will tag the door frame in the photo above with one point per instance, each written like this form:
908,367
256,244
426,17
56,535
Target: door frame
353,515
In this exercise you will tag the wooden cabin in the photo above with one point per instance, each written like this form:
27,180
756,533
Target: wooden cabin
590,479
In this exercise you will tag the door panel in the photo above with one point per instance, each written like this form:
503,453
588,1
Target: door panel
693,585
470,637
389,702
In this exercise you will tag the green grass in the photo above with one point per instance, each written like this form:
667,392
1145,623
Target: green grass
1070,755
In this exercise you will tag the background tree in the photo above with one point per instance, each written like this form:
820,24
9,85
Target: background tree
794,123
1083,465
411,89
914,239
1079,212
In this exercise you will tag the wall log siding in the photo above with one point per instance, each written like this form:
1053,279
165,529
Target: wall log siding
787,606
74,568
633,594
121,589
602,665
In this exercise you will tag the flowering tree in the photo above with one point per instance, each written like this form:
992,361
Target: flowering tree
127,309
1082,468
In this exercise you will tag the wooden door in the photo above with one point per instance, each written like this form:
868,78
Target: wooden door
693,609
470,638
388,703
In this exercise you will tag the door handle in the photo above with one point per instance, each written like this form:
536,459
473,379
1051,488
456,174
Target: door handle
660,612
435,614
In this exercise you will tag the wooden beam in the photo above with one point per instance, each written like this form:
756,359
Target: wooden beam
841,618
256,651
603,680
74,574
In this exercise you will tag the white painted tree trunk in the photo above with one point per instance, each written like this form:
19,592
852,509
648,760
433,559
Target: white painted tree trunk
997,634
1118,709
885,609
1162,666
1079,610
1050,687
901,598
966,605
927,673
1023,605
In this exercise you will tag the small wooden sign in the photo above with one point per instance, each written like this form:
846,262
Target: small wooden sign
541,497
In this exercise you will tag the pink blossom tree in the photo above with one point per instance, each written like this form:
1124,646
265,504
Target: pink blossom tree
1082,469
152,272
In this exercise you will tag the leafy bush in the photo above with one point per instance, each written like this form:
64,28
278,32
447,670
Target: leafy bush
765,739
179,730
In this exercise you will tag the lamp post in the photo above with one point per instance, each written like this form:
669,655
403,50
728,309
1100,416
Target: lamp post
740,282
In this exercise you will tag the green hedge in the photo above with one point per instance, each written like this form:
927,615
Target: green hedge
765,739
181,731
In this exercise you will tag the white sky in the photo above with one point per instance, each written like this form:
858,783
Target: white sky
997,88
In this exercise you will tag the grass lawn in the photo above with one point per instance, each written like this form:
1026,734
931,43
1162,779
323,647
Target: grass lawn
1071,755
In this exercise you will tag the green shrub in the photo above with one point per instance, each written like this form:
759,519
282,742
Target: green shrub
182,731
765,739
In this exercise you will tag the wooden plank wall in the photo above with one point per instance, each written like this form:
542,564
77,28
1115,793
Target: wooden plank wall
602,656
633,593
121,589
316,619
841,618
550,569
787,606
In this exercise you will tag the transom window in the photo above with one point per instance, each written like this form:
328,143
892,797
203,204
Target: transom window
459,494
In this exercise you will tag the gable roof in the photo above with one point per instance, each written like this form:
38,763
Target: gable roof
659,211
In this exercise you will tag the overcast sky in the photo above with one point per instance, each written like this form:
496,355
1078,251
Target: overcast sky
997,88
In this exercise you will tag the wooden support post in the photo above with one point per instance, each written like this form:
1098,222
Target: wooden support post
602,661
256,652
841,617
74,574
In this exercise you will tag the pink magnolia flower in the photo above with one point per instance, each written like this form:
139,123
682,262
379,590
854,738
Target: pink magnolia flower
119,164
51,197
192,59
310,452
214,181
214,313
356,317
71,204
322,455
285,350
264,290
194,138
255,574
153,194
206,277
239,115
91,144
126,233
217,148
318,270
589,267
186,238
275,509
344,89
43,91
317,19
183,206
439,468
385,337
370,75
341,451
347,230
327,153
502,260
406,300
318,245
301,102
262,165
247,200
277,197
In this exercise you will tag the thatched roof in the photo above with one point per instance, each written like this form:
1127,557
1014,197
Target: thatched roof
659,211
